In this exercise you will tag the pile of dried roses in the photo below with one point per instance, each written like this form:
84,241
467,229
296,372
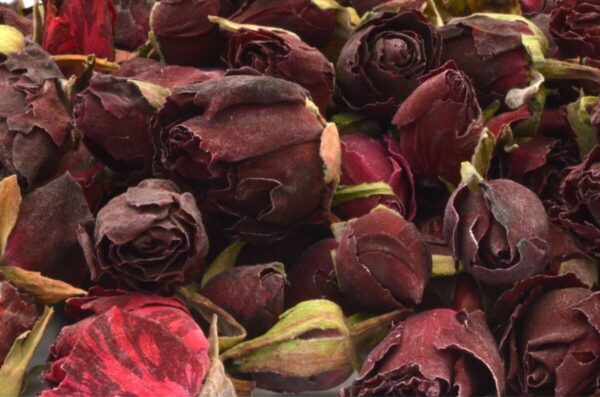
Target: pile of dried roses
224,195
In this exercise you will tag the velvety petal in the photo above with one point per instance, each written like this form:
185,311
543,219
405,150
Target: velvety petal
10,17
574,27
253,295
79,27
313,25
53,211
18,313
132,23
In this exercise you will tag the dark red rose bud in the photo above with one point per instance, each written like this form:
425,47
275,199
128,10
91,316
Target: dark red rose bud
167,76
132,24
439,125
49,216
368,160
79,27
184,34
550,339
253,295
312,276
435,353
125,345
491,52
113,114
277,54
579,210
253,188
313,25
18,313
33,121
381,262
10,17
150,237
381,62
499,232
537,164
574,26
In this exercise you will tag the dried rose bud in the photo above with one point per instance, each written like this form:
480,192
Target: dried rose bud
132,24
10,17
491,52
537,164
309,349
54,211
270,52
367,160
381,262
439,125
79,27
18,313
381,62
312,276
499,231
435,353
33,122
167,76
574,27
253,188
150,237
550,339
303,17
113,114
579,210
184,34
128,344
253,295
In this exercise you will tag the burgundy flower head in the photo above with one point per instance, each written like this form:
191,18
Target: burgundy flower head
438,352
150,237
574,27
124,344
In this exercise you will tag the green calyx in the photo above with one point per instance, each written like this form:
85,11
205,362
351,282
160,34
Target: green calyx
11,40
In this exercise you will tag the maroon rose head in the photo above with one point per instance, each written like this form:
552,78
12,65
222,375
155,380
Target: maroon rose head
574,27
79,27
18,314
167,76
52,211
491,52
33,122
381,261
366,160
383,59
312,276
150,237
579,210
9,16
253,295
438,352
127,344
314,25
239,142
499,232
132,24
271,52
550,337
538,164
439,125
183,32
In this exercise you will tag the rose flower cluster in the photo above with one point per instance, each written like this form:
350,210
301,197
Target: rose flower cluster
214,198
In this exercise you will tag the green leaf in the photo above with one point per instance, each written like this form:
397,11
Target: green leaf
443,265
10,204
345,193
11,40
491,110
45,290
470,176
580,122
154,94
528,128
585,269
483,154
224,261
13,370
